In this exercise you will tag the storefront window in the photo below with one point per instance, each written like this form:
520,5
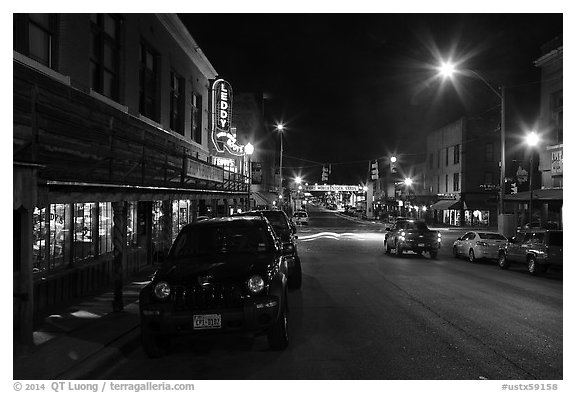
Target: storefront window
59,235
39,238
132,225
84,219
157,226
180,216
105,224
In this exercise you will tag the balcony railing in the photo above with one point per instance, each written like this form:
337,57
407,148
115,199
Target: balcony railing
78,138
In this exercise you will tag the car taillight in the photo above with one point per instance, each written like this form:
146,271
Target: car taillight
482,244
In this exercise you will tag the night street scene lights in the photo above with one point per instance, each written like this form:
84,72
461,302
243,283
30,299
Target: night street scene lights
532,140
447,70
249,150
280,128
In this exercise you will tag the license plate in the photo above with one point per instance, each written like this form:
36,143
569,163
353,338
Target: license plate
207,321
421,244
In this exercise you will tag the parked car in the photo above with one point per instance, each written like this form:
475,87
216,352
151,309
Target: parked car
300,217
412,235
538,249
286,231
479,245
221,275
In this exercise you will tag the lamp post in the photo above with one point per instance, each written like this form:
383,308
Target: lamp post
249,149
407,184
447,70
280,128
532,140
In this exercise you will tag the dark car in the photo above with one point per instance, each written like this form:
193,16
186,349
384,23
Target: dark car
221,275
538,249
412,235
286,231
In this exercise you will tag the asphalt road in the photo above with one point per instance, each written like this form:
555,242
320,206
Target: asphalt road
361,314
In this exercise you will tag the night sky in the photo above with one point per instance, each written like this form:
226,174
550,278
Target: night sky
353,87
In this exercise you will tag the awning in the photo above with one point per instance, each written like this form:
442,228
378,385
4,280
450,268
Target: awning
263,198
549,194
448,205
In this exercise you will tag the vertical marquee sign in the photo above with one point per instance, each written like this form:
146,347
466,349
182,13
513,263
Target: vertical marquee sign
223,135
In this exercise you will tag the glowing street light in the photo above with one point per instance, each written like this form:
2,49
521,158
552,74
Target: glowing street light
408,181
280,128
532,140
446,70
249,150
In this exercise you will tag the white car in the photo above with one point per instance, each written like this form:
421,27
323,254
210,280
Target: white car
478,245
300,218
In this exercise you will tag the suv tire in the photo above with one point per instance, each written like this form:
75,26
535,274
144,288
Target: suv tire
386,247
278,333
399,250
295,279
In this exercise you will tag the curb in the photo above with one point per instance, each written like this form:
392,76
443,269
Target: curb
106,359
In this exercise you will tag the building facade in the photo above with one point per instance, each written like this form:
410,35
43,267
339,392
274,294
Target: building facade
547,185
462,171
112,152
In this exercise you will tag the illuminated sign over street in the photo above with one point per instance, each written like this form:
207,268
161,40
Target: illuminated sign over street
223,135
330,187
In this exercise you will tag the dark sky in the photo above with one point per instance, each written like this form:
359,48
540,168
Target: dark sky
354,87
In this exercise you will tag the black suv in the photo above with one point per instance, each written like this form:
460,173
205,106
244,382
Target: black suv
286,230
221,275
538,249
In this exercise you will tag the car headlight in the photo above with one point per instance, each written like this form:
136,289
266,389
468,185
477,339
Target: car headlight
162,290
255,284
402,233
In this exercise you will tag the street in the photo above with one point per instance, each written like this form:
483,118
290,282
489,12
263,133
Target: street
362,314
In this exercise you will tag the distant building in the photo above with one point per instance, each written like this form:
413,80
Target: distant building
113,152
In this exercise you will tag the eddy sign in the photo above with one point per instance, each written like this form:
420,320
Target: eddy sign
223,135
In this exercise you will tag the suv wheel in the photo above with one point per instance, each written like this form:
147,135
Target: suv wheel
278,333
154,345
471,256
502,261
295,279
533,267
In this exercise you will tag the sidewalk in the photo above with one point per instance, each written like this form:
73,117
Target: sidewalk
85,339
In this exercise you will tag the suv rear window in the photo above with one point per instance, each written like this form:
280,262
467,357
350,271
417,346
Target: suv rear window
218,239
556,239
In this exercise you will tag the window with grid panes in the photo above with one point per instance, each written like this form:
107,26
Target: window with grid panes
34,36
148,105
104,54
176,103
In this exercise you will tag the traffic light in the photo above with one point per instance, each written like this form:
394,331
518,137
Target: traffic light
374,170
325,172
513,188
393,168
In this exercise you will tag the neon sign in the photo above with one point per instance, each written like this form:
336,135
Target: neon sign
223,135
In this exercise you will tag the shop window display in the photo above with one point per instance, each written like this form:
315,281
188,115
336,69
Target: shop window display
132,225
180,216
84,220
39,239
105,223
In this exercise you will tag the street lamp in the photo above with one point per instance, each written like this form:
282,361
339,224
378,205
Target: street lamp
249,149
532,140
280,128
447,69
